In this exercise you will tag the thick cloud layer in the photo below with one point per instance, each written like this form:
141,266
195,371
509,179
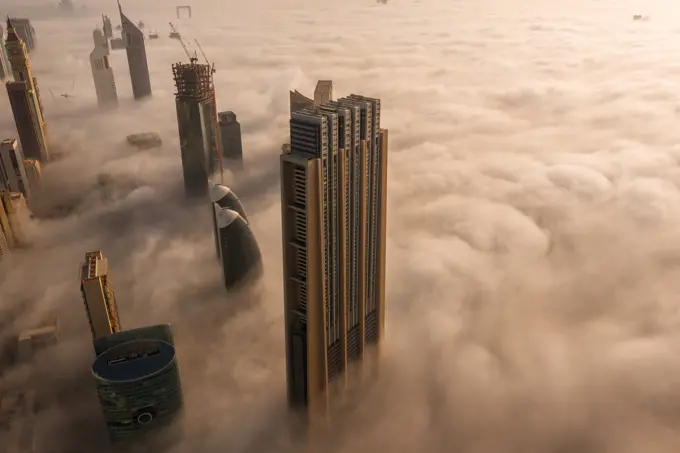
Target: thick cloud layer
534,220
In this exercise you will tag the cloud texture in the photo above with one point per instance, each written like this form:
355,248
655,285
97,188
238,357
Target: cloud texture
534,219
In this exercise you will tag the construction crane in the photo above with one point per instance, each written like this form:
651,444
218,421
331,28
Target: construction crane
174,34
185,47
218,141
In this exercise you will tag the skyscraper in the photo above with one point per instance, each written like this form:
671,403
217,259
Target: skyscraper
230,133
102,73
299,101
333,202
98,295
138,383
34,175
107,28
12,172
136,56
196,124
24,97
15,218
25,31
323,92
5,68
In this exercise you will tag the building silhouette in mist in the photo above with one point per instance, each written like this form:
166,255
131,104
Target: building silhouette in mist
24,97
25,31
5,68
230,138
106,27
102,72
32,341
137,380
136,57
322,94
98,295
333,212
196,124
12,171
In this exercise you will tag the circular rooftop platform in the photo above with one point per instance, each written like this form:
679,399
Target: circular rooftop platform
133,360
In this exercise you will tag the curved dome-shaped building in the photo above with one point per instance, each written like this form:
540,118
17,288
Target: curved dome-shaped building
225,198
239,251
138,386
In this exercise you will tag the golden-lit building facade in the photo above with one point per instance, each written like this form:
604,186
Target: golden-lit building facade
333,202
98,295
24,98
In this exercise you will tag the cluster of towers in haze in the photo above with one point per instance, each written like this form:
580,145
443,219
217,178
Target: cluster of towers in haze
333,175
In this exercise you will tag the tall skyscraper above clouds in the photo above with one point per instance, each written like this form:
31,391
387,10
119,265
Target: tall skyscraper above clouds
24,97
98,295
333,201
102,73
136,56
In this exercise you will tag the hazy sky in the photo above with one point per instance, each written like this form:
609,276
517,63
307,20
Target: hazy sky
534,221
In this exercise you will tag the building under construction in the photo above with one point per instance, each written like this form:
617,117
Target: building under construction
196,123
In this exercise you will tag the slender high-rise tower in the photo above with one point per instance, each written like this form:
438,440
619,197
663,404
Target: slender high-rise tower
5,68
12,172
102,73
230,134
24,98
98,295
195,121
333,212
107,28
136,56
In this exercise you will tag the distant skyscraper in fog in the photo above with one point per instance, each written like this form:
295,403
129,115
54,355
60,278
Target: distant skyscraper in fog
136,56
24,97
5,68
333,212
98,295
102,73
12,172
196,124
323,92
230,134
107,28
138,382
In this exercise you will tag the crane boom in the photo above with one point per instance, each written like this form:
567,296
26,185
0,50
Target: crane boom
202,53
181,41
